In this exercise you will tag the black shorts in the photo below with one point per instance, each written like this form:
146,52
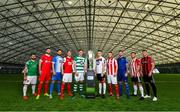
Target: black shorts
136,79
148,79
100,77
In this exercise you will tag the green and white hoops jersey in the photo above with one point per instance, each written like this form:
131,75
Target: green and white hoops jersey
80,63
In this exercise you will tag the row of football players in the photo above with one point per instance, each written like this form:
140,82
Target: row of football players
115,70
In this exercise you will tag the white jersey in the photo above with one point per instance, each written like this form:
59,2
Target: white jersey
57,61
100,65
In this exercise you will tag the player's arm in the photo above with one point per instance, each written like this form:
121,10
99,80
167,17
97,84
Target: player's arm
126,68
25,71
116,65
85,65
138,69
94,66
53,70
152,68
40,63
104,67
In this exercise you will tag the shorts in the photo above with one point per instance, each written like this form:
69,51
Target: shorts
148,79
56,77
67,77
80,77
45,76
136,79
31,80
100,77
112,79
121,77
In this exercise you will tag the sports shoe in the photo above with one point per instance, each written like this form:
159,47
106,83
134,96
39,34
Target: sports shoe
147,96
37,97
35,94
155,99
61,97
25,98
117,97
103,96
70,94
50,96
46,94
83,96
142,98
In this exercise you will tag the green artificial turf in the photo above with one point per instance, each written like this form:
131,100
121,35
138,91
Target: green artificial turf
168,88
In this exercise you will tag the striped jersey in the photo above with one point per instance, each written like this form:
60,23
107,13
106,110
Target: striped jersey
111,66
80,63
134,64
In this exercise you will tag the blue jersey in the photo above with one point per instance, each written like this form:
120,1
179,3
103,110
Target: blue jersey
57,61
121,61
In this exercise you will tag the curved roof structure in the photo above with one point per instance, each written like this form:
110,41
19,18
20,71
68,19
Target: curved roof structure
28,26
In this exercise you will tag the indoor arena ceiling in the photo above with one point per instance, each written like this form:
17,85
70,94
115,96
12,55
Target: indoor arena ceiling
28,26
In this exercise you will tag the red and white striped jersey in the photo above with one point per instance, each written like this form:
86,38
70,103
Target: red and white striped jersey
134,67
111,66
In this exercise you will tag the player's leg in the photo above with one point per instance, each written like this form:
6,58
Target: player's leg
146,83
58,84
154,89
64,81
46,84
69,84
120,84
134,86
99,85
110,85
81,84
114,82
125,79
51,88
41,81
75,85
103,81
25,87
33,84
140,88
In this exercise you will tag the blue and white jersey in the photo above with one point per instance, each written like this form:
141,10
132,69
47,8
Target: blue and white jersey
57,61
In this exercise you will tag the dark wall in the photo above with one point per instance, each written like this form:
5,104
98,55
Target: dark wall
10,68
169,68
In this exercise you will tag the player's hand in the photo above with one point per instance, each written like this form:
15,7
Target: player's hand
25,77
54,73
150,73
76,74
126,74
40,72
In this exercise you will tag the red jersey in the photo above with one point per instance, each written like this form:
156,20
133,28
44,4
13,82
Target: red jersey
68,65
46,63
146,65
111,66
134,64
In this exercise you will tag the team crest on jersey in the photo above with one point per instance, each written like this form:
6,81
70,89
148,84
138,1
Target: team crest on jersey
69,63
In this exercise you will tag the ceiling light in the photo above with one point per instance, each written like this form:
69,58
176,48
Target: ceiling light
10,43
69,2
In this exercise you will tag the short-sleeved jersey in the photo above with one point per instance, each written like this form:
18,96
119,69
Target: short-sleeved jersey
121,61
111,66
68,65
134,64
32,68
80,63
46,63
57,61
146,63
100,65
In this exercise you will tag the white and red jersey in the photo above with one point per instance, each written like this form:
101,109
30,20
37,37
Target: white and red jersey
112,66
68,65
100,65
134,64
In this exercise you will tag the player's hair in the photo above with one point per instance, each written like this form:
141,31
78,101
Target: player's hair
110,52
80,50
32,54
133,52
59,50
48,48
121,50
99,51
144,50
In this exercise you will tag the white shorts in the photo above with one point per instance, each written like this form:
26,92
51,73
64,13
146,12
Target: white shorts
31,80
80,77
67,77
111,79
